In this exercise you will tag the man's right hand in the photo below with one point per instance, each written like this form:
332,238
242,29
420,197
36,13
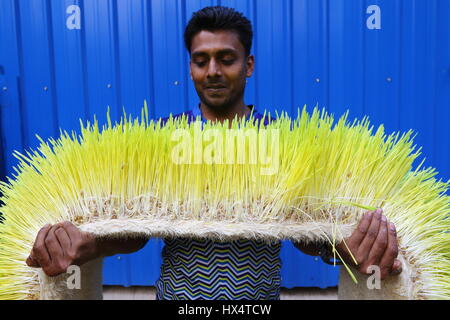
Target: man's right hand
61,245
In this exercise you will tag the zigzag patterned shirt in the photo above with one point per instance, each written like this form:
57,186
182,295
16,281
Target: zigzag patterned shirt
206,269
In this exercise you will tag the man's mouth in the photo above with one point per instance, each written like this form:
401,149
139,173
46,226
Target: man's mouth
216,90
215,87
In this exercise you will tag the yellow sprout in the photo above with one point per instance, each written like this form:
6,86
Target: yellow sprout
308,179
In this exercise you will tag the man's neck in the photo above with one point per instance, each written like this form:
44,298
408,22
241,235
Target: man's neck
239,109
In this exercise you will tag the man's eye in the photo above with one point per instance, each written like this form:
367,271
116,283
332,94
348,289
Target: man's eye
200,63
228,61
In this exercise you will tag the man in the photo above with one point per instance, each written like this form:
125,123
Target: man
219,41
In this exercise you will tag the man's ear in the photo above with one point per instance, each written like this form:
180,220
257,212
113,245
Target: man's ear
250,63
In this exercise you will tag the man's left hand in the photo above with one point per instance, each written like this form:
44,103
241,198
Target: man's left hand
374,242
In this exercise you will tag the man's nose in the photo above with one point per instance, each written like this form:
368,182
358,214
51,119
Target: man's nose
213,69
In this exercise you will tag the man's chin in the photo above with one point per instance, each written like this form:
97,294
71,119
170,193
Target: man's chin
219,105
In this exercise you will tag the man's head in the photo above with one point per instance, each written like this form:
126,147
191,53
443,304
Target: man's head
219,40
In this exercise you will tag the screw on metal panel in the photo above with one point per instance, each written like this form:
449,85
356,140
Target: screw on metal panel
118,258
316,259
5,88
109,85
389,79
45,88
317,80
176,83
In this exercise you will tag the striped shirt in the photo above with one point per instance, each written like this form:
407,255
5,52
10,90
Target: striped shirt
207,269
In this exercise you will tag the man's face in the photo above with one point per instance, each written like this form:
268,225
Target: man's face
219,68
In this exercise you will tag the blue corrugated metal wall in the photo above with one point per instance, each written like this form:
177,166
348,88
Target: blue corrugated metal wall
55,69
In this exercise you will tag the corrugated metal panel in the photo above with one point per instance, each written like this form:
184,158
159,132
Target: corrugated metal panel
307,52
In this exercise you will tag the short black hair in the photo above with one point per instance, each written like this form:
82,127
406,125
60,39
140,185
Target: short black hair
219,18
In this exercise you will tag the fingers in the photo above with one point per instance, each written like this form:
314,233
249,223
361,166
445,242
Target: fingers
374,242
389,264
39,253
349,248
82,247
64,240
53,249
32,263
358,235
379,246
73,233
397,267
70,228
370,237
56,252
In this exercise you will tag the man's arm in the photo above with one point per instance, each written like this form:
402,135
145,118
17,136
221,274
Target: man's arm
373,242
63,244
110,247
311,249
